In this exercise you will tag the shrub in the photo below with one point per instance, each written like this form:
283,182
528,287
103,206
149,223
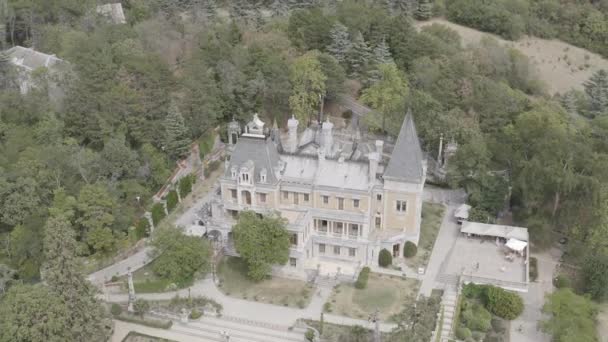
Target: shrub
185,185
409,249
361,282
498,325
504,304
561,281
142,229
476,317
171,200
158,213
153,323
327,307
385,258
463,333
310,335
195,314
533,269
115,309
471,290
114,279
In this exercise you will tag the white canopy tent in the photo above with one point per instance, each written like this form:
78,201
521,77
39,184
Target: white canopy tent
516,245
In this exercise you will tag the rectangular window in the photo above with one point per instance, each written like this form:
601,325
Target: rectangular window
338,228
285,195
401,206
356,203
337,250
262,198
321,248
325,199
292,262
323,226
233,193
296,198
340,203
352,252
306,198
379,197
378,222
293,239
353,230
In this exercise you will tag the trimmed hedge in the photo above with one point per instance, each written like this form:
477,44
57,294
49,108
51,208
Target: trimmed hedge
385,258
158,213
409,249
463,333
147,322
142,229
171,200
533,269
361,282
502,303
561,281
115,309
185,185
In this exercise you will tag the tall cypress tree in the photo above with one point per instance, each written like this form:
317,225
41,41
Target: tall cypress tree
340,42
88,318
597,90
177,140
380,55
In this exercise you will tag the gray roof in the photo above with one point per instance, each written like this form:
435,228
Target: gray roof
406,160
261,151
113,11
31,59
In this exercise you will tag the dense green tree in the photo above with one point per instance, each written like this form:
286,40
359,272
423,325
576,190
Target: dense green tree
141,307
18,200
386,96
117,159
33,313
95,208
416,322
261,242
424,10
87,318
572,317
7,278
308,82
177,139
309,29
595,274
335,75
180,257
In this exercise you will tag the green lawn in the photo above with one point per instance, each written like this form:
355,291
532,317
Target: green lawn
145,281
232,273
432,215
386,293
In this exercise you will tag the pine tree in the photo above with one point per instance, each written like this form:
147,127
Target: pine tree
358,56
404,6
597,90
380,55
569,102
88,318
424,10
340,42
177,140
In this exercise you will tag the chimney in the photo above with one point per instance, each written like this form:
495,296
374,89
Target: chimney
292,138
373,157
321,154
327,139
379,147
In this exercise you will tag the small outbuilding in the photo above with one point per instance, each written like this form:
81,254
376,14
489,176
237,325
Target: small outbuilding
462,213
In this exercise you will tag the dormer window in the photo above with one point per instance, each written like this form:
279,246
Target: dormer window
245,178
233,172
263,175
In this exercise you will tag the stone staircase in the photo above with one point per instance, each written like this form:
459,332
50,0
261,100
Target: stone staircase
448,280
213,328
448,305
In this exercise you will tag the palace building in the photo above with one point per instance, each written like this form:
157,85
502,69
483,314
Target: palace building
345,198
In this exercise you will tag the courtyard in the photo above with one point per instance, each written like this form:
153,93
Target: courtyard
482,260
388,294
232,273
